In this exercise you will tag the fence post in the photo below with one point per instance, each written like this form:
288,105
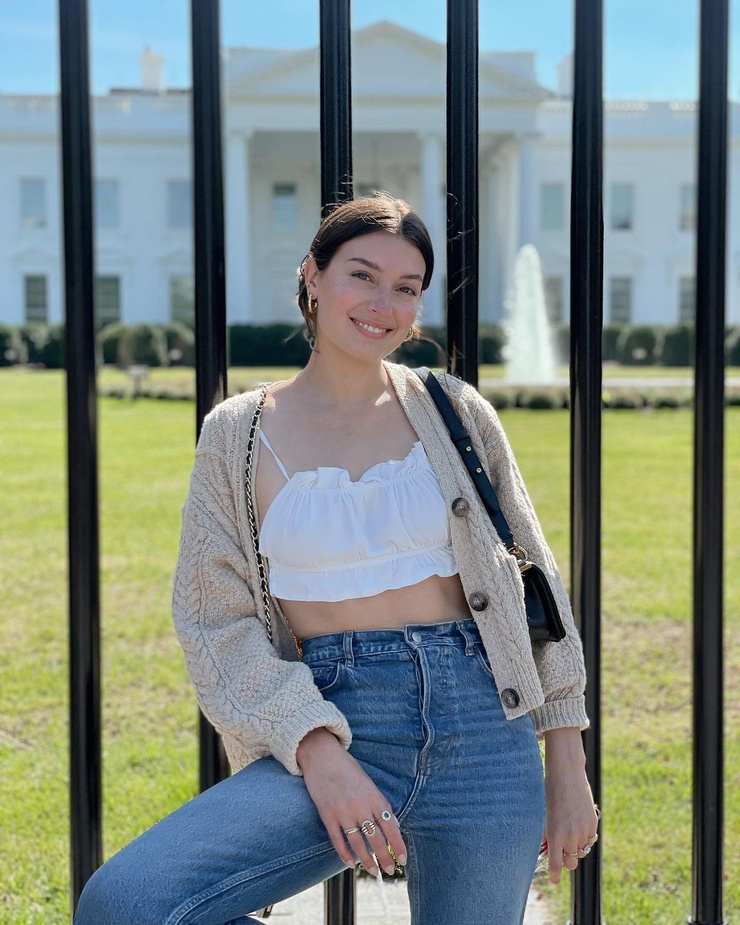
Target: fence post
707,863
82,456
462,189
336,186
586,274
210,285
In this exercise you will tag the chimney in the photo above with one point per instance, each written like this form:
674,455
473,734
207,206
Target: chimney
565,76
151,70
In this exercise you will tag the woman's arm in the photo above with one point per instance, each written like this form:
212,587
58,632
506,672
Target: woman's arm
262,704
571,815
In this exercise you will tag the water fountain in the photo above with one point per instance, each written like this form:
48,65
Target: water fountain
529,353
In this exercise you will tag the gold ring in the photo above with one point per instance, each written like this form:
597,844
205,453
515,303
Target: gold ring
368,827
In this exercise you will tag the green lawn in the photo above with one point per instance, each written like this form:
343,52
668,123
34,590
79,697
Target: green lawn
149,713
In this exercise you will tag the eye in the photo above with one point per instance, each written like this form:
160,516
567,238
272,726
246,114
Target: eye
409,290
361,274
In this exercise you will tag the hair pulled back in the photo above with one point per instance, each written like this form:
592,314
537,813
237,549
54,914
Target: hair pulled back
357,217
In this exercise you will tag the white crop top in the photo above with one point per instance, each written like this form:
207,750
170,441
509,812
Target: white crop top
327,538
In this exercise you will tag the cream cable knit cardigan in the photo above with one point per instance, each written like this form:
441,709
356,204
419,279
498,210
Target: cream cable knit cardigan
257,695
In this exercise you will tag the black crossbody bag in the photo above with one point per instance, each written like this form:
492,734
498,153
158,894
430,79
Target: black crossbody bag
543,619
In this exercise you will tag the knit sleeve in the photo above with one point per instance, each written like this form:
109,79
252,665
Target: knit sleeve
260,703
560,665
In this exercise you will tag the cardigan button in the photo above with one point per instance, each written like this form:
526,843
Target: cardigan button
478,600
460,507
510,698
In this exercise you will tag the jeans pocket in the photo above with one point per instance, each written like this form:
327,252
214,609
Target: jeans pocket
325,675
480,654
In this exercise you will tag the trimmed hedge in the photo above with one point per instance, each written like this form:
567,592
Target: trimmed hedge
676,345
732,346
12,348
636,345
284,345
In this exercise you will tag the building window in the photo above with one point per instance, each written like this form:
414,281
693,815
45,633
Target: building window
554,298
687,213
33,202
284,207
107,299
36,298
552,210
106,204
182,299
686,298
179,204
620,299
622,206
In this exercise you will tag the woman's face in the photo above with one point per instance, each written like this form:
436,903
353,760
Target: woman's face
369,294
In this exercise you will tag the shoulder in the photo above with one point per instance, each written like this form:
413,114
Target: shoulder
230,418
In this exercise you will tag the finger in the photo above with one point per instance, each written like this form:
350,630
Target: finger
392,833
555,864
336,834
359,846
379,846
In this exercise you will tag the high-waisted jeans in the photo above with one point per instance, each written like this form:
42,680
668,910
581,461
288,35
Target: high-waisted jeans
465,783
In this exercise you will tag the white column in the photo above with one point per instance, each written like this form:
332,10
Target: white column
238,250
434,215
527,190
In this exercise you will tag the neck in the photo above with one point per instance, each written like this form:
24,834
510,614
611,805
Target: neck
342,384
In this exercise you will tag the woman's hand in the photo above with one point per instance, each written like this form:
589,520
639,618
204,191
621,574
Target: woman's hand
572,820
346,798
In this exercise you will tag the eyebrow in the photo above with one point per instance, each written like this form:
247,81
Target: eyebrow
374,266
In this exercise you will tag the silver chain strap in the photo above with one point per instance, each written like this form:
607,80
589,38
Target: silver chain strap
250,513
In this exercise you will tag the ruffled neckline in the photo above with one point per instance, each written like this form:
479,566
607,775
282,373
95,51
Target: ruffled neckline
336,477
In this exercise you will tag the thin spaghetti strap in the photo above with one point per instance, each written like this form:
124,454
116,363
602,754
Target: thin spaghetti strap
281,467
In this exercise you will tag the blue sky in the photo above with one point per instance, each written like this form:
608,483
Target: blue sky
650,51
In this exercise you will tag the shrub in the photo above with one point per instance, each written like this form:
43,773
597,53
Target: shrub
623,400
36,337
142,345
499,398
541,399
676,345
12,348
491,342
636,346
267,345
611,335
180,344
109,338
732,346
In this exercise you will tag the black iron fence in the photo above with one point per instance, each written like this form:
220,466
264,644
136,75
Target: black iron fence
462,321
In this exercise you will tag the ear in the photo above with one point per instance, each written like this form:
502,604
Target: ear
310,274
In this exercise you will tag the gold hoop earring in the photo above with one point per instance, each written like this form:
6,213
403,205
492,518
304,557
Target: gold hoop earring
312,306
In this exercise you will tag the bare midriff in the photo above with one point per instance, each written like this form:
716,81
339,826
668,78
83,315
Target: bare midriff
434,600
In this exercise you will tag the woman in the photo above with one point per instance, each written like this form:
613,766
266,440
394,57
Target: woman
331,513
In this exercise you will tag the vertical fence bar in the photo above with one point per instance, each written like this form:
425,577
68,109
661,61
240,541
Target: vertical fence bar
707,867
462,189
210,285
586,274
336,186
336,102
82,458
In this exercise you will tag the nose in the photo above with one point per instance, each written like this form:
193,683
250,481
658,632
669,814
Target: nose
382,299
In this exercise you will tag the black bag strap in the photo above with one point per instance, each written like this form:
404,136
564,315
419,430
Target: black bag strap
461,439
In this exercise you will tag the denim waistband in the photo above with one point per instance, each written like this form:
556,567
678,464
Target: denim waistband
351,643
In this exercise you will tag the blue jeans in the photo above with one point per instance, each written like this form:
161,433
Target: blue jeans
465,783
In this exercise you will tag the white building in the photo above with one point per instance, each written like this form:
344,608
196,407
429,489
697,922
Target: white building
271,151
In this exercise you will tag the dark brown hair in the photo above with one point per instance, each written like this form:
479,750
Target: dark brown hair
348,220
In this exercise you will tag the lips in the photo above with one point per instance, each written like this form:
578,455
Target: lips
370,328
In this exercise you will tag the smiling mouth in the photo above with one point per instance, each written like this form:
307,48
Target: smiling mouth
371,329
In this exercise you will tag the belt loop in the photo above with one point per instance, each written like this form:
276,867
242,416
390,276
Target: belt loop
349,654
469,640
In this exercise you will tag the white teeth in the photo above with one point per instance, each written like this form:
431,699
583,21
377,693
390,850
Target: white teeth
370,328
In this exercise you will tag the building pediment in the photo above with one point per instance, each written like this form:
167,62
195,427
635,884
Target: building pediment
387,61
